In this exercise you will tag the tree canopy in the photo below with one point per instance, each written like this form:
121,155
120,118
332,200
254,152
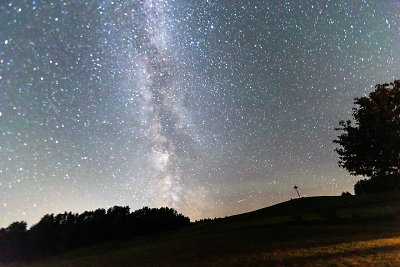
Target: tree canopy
370,146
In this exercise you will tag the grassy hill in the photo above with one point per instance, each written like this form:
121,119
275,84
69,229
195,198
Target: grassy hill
315,231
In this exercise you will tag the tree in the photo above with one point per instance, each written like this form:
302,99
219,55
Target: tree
13,241
371,146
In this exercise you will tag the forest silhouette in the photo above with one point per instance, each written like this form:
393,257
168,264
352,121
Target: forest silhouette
55,234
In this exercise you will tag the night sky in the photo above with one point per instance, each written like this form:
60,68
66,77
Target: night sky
210,107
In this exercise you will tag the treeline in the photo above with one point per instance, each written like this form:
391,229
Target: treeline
58,233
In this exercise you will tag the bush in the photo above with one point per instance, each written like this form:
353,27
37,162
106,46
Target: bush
377,185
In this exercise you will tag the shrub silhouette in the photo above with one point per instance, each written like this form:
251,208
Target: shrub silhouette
346,194
377,185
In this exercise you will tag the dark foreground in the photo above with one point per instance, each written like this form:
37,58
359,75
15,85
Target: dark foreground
323,231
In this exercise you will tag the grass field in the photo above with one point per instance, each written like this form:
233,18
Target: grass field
318,231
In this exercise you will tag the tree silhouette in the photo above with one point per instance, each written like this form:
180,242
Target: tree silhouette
371,146
58,233
13,241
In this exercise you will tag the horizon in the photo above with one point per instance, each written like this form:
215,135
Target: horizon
206,108
191,220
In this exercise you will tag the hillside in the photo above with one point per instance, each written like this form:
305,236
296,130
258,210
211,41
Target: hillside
348,230
368,206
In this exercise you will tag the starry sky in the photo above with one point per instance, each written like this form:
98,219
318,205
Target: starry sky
210,107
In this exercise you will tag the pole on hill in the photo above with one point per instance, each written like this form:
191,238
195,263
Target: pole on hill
296,188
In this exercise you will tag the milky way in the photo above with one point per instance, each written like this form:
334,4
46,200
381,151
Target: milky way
163,112
210,107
